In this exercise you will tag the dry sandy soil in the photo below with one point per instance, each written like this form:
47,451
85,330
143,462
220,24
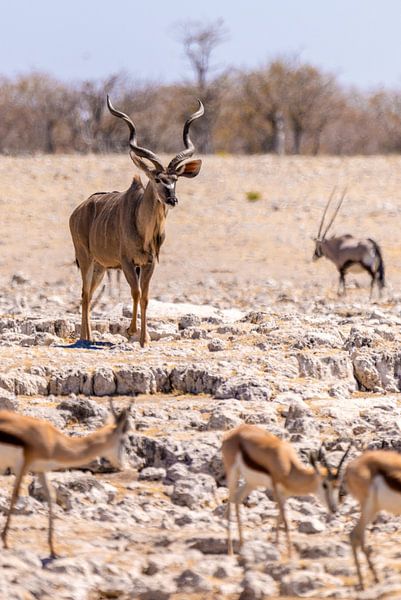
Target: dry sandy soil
244,326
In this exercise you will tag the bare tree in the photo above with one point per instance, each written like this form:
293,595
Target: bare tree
200,39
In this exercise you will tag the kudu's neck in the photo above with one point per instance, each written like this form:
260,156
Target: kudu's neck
151,212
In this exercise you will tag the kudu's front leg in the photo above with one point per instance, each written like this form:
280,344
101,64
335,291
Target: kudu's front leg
146,276
86,273
131,275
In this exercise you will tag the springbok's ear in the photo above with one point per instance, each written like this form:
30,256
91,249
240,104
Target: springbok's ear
189,168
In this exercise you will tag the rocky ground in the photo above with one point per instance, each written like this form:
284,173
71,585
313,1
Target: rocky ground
243,329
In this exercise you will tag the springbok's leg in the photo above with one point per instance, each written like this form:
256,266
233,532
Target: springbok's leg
131,275
17,485
146,276
44,484
232,482
358,540
244,490
282,517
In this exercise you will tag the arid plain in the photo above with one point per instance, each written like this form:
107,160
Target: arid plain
243,326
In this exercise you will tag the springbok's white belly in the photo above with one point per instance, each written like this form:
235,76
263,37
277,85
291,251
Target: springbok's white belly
41,466
388,498
253,477
11,457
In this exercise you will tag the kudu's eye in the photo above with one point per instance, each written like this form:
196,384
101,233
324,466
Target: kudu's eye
157,179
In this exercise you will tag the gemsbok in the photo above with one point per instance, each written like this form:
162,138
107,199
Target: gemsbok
33,445
349,253
263,460
126,229
374,480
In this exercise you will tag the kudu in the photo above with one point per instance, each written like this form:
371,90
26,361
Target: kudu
112,230
349,253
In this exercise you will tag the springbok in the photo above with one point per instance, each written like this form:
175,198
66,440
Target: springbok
374,480
32,445
263,460
349,253
126,229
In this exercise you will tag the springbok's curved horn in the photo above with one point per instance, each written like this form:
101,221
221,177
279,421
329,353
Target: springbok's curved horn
325,211
189,147
344,456
112,409
137,150
322,458
290,416
335,213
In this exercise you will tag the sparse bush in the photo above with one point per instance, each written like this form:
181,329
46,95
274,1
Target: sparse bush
253,196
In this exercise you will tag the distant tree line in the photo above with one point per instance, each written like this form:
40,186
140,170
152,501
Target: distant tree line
286,107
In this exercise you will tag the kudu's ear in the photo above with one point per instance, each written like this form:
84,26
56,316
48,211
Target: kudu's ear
141,164
189,168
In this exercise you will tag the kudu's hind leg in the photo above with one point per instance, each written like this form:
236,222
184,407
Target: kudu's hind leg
97,276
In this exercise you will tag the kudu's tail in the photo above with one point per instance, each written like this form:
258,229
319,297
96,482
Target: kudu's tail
380,268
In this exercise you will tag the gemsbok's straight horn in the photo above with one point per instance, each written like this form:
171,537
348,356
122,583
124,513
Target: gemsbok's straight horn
349,253
125,230
33,445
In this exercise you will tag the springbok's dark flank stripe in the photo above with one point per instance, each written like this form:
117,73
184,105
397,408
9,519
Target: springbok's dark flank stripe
393,482
252,464
9,438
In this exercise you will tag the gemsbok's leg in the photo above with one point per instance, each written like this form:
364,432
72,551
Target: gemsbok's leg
372,281
341,284
131,275
146,276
